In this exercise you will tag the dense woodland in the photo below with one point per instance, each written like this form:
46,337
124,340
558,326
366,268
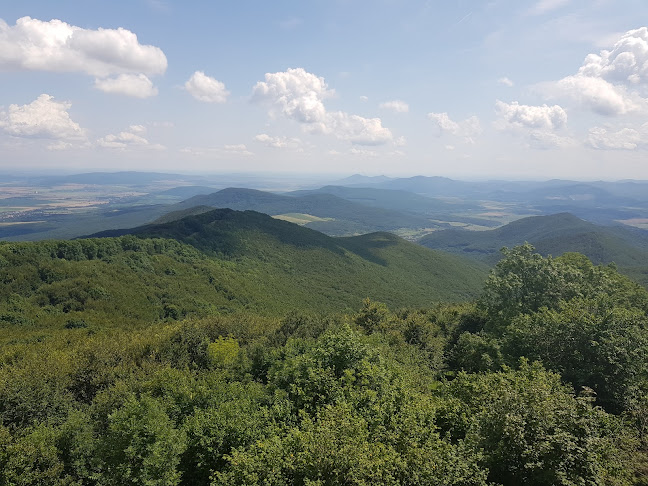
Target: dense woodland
143,360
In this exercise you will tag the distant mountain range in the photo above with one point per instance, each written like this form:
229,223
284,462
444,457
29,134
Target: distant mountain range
410,207
337,216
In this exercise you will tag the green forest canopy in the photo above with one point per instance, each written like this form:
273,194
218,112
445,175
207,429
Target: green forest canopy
539,381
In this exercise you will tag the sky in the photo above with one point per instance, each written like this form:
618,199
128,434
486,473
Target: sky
469,89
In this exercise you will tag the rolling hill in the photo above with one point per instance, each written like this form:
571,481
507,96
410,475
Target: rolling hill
394,199
218,263
287,264
555,235
344,217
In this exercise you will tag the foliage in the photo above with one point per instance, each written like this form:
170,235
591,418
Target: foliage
531,429
141,445
107,380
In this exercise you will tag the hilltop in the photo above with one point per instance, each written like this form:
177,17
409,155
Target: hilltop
292,263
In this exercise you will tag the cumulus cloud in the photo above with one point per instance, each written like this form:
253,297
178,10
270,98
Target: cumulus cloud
36,45
295,94
468,128
627,62
613,82
537,124
299,95
135,85
278,142
206,89
599,95
627,138
357,129
397,106
42,118
129,139
32,44
505,82
526,116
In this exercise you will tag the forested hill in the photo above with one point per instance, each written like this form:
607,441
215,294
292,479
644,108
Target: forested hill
312,268
333,215
552,235
216,263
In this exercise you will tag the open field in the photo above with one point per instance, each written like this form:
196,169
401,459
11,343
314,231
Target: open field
300,218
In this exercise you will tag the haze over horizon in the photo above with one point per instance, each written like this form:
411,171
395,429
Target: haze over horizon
471,90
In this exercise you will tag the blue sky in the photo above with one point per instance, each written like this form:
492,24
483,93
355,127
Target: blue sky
469,89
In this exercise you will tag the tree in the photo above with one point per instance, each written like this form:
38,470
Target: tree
142,446
531,429
590,344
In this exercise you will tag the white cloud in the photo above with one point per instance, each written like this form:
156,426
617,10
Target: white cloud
624,139
613,82
505,82
299,95
597,95
357,129
444,122
525,116
42,118
137,128
397,106
627,62
450,147
205,88
237,149
295,94
135,85
278,142
537,124
468,128
364,98
35,45
128,140
544,6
